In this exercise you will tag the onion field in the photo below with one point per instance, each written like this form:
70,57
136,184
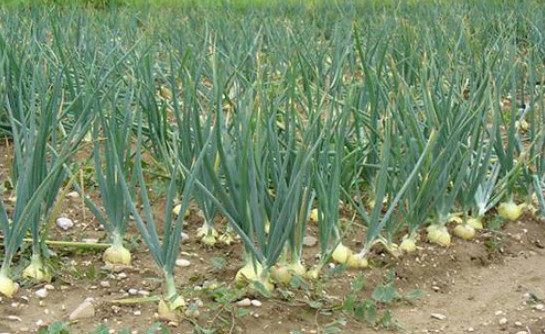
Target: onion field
289,167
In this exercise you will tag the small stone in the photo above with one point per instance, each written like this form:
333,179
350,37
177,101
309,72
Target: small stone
256,303
24,329
133,292
121,276
143,293
309,241
183,263
14,318
65,223
73,195
522,332
40,323
502,321
49,287
90,240
137,312
244,302
471,329
435,288
498,312
438,316
185,236
104,284
518,323
84,310
539,307
41,293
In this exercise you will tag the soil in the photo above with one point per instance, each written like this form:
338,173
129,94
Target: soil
493,284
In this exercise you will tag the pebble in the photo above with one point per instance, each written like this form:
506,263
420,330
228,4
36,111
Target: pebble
244,302
84,310
143,293
471,329
104,284
137,312
518,323
65,223
121,276
502,321
183,263
498,312
539,307
185,236
309,241
133,292
438,316
90,240
14,318
522,332
41,293
49,287
73,195
256,303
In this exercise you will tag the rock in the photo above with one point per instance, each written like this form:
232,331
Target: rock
518,323
471,329
143,293
244,302
438,316
49,287
14,318
522,332
185,237
104,284
498,312
133,291
65,223
256,303
73,195
539,307
41,293
84,310
502,321
183,263
309,241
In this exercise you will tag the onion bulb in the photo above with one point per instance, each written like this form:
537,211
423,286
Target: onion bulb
297,268
438,234
167,312
176,210
341,253
476,223
510,210
357,261
226,238
254,275
36,270
408,244
313,273
464,231
117,254
7,287
314,215
207,234
281,274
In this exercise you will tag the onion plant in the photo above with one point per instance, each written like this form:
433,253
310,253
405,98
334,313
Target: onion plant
39,157
164,250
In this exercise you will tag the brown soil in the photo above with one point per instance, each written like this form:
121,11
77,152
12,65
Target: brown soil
474,284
